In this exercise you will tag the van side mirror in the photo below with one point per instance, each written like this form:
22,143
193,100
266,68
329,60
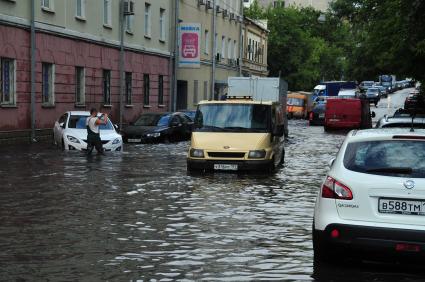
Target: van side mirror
279,130
373,114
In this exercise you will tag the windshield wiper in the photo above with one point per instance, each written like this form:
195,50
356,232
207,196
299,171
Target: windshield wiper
403,170
210,127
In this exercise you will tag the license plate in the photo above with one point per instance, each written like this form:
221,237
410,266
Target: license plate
399,206
134,140
225,167
321,115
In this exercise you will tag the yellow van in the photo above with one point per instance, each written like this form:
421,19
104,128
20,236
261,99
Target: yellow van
237,135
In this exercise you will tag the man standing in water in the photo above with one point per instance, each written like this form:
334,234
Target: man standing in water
93,135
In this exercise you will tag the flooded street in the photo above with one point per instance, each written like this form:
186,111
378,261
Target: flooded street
137,215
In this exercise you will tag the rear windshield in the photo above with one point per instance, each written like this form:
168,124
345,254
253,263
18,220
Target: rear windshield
399,158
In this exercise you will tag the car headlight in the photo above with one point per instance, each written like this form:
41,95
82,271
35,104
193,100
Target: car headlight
154,134
196,153
73,139
257,154
116,141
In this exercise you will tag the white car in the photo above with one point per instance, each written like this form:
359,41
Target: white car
373,198
70,132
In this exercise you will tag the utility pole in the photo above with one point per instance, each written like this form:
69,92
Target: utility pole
33,137
122,58
241,39
176,55
214,54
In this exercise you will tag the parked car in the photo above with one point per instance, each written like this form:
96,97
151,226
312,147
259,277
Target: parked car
365,85
350,113
373,95
372,198
317,115
190,113
159,127
70,132
401,121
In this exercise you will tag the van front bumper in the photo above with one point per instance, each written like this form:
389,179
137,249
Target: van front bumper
242,165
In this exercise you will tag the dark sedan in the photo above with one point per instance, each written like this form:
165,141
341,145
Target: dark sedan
158,127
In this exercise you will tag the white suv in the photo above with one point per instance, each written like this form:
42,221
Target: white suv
373,198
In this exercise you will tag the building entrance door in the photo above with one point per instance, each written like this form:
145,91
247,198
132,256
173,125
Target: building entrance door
181,102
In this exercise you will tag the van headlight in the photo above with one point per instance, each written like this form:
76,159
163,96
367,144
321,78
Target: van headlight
116,141
73,139
196,153
257,154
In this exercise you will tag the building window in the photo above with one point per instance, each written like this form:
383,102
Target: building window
195,92
223,47
80,8
128,88
48,84
80,88
161,90
129,23
147,19
229,49
162,24
106,87
146,89
107,12
7,82
205,90
47,4
207,42
235,50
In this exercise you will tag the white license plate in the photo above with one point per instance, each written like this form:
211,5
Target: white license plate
399,206
134,140
321,115
225,167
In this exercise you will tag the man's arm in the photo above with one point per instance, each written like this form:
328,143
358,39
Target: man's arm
105,121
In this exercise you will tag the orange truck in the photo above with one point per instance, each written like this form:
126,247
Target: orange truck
299,104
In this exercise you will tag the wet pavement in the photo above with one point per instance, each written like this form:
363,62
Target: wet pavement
137,215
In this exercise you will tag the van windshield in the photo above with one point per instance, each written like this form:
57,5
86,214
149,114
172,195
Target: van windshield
233,118
295,102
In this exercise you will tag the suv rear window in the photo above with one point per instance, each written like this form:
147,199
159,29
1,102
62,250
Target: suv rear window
399,158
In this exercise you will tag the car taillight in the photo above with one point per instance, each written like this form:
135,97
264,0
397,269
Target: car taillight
311,116
333,189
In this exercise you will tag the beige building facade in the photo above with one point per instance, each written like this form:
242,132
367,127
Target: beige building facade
221,22
254,42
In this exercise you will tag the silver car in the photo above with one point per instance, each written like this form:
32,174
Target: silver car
401,121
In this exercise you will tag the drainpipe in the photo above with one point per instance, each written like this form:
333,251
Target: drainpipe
214,54
240,40
33,137
121,67
176,56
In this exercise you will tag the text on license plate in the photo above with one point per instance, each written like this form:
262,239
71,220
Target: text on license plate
134,140
225,167
400,206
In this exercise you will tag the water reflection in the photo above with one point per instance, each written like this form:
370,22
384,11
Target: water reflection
138,215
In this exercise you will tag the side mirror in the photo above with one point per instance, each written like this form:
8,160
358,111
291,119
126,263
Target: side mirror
331,162
279,130
373,114
62,125
116,126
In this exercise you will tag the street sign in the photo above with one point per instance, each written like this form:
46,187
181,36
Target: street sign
190,45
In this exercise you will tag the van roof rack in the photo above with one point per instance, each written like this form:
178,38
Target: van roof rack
239,97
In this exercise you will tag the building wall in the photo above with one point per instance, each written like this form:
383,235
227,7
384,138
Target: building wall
67,42
255,40
191,12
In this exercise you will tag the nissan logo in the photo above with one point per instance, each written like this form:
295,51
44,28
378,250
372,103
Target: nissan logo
409,184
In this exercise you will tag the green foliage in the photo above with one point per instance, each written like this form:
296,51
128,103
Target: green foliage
303,50
255,11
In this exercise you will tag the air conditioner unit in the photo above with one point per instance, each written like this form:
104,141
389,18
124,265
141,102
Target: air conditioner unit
209,5
128,8
232,16
217,9
225,13
201,2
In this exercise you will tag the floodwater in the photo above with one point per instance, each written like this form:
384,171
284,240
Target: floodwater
137,215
